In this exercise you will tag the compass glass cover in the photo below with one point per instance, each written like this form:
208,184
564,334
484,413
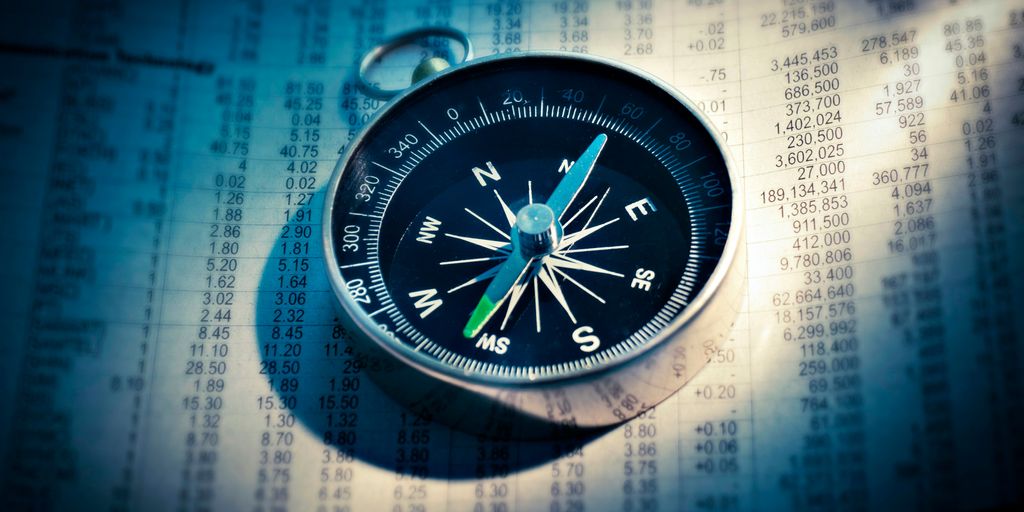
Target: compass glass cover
437,196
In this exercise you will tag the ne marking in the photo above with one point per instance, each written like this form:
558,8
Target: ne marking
364,215
593,213
481,277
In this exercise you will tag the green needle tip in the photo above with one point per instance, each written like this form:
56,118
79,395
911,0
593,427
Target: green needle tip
483,311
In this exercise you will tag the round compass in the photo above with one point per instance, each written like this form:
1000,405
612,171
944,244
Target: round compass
551,234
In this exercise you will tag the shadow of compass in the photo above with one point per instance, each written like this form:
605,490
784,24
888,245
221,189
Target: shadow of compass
321,384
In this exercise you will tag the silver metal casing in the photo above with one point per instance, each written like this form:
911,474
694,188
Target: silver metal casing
593,398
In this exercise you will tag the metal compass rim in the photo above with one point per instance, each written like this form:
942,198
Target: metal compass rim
432,367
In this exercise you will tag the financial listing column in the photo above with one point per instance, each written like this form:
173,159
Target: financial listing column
934,103
402,457
983,47
508,477
987,50
620,469
903,176
192,437
973,99
713,426
84,375
291,328
565,481
210,387
284,323
483,471
573,27
803,240
308,386
320,117
909,176
499,26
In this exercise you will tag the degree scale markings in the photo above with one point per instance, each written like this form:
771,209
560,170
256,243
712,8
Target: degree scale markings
428,131
662,152
602,120
363,264
400,175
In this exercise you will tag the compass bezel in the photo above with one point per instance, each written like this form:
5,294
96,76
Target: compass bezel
355,316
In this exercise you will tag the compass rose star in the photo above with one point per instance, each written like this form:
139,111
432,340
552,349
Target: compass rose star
518,271
538,249
548,270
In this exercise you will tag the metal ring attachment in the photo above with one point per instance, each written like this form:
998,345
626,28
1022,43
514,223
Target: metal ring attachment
400,40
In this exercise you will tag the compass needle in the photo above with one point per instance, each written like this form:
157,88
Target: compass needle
479,278
576,177
505,279
537,223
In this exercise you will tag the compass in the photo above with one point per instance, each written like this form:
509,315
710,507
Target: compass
535,239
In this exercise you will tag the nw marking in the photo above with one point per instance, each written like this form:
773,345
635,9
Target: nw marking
427,231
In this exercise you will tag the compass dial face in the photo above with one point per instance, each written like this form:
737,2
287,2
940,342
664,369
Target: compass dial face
528,218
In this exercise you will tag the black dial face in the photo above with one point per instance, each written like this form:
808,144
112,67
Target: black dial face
529,218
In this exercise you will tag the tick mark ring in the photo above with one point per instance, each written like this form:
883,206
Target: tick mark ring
620,311
402,39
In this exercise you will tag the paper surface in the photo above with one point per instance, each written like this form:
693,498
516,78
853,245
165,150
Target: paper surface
168,349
